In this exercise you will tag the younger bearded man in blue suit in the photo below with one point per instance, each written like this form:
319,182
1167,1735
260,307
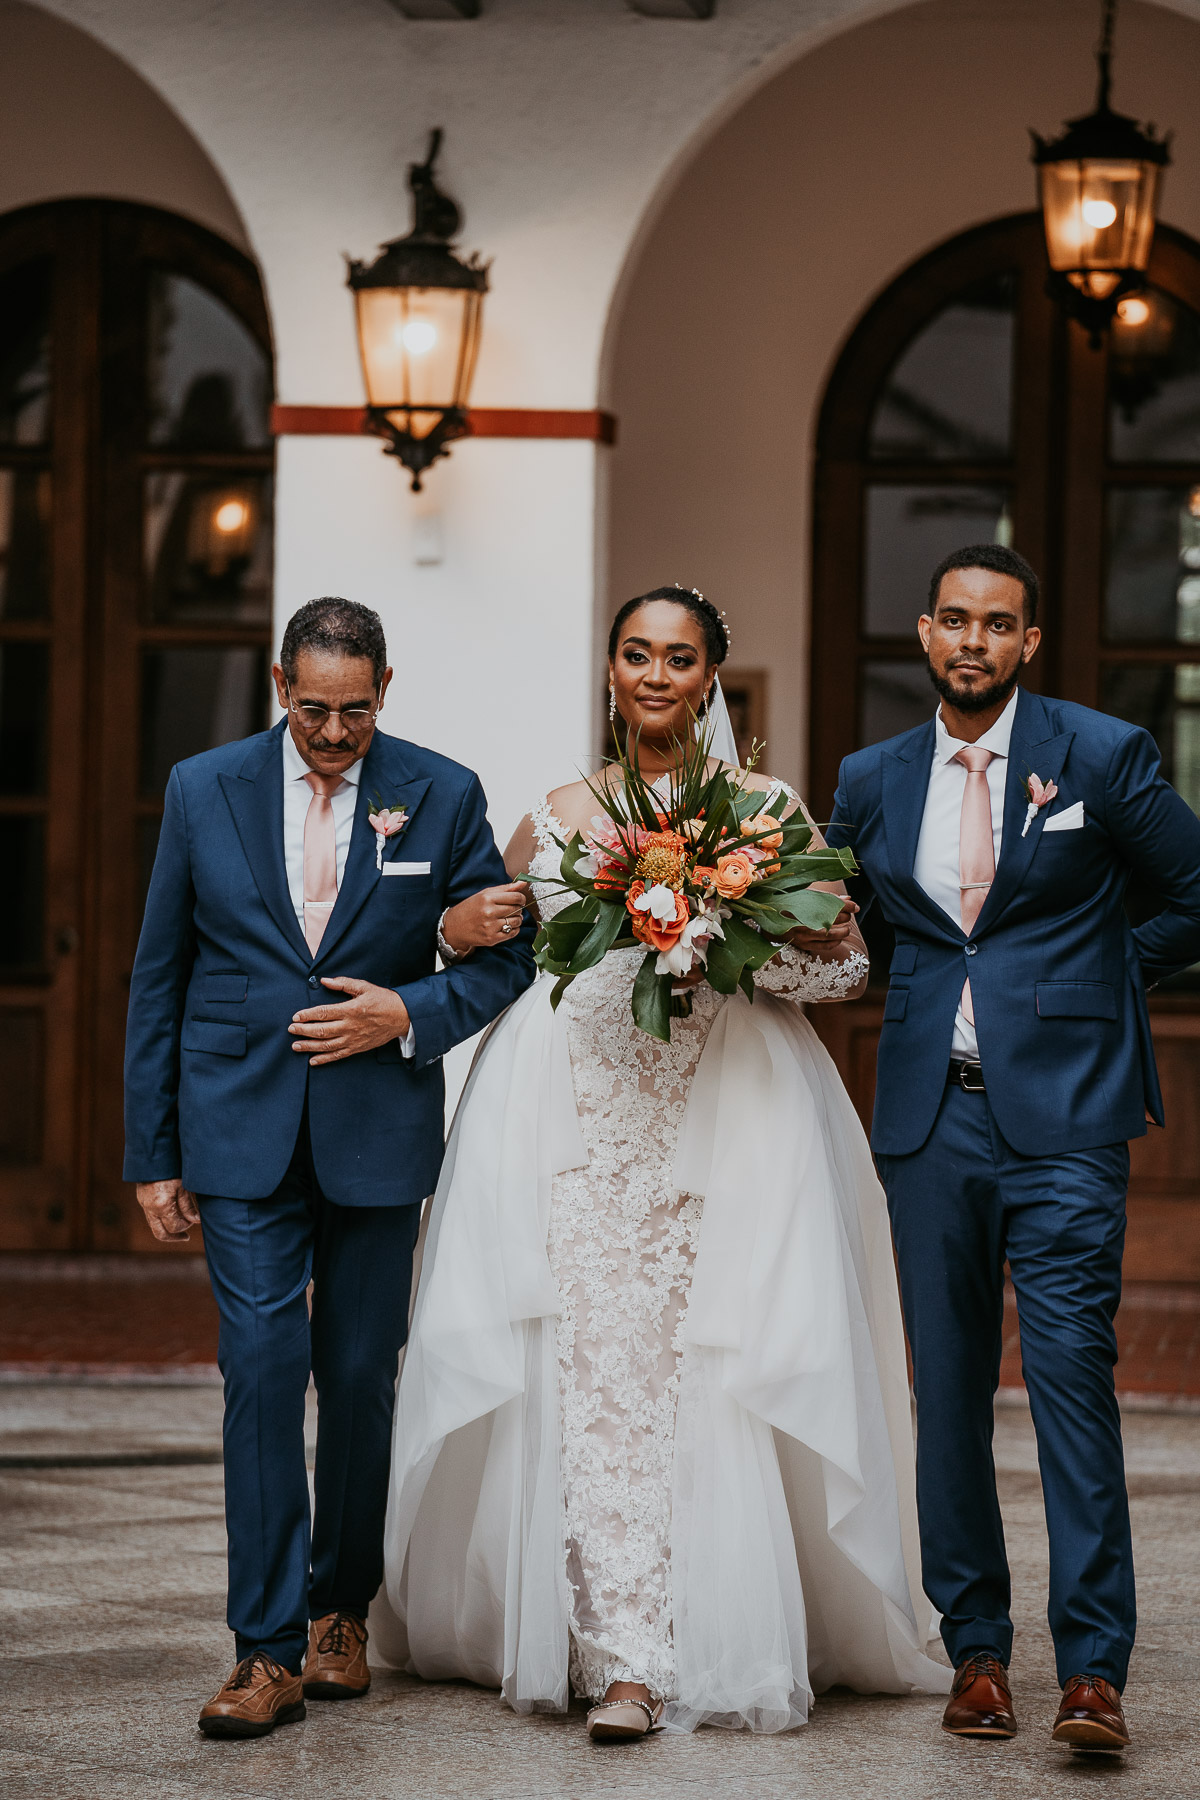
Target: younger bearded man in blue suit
302,1137
1015,1062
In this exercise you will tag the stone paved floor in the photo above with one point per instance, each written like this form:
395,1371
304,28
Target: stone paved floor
111,1637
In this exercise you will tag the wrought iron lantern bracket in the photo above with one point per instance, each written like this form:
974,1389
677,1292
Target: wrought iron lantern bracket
418,426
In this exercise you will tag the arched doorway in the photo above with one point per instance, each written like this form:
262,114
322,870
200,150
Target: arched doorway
964,407
135,625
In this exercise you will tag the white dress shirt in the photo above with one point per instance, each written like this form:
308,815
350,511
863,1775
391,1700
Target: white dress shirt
936,868
296,797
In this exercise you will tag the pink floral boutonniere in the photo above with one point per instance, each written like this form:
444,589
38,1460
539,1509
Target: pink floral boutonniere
1039,795
386,821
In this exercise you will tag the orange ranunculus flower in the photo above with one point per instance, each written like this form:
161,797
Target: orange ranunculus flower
703,876
765,822
735,872
647,929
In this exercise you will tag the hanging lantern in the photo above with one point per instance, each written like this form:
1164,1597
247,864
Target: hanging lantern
1099,185
418,310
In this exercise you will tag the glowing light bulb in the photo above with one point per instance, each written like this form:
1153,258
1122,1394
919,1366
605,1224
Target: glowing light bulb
1099,214
419,337
231,515
1133,311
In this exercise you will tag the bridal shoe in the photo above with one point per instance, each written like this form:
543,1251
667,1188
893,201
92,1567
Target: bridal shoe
617,1721
336,1667
258,1696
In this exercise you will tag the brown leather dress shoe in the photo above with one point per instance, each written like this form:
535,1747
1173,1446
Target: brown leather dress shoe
336,1668
1090,1716
258,1696
980,1703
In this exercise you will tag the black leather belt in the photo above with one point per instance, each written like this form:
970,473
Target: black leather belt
967,1074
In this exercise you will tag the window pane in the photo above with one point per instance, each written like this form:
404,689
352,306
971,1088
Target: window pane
1154,381
194,699
1165,699
22,934
948,397
24,711
209,377
24,544
25,354
909,530
1152,588
893,697
208,543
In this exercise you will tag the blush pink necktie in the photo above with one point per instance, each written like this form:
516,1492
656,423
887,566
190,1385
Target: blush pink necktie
976,847
320,857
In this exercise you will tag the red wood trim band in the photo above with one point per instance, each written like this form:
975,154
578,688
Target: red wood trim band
486,421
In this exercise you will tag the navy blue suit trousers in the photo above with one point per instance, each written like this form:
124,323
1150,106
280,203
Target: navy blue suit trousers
262,1254
960,1206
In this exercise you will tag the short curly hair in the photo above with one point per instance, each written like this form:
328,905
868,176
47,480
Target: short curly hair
339,627
1000,560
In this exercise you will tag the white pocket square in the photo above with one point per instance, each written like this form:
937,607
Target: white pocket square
403,868
1070,819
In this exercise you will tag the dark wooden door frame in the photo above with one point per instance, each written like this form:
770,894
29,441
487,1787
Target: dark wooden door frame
103,252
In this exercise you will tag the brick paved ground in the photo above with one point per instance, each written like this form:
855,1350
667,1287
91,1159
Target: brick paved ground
131,1314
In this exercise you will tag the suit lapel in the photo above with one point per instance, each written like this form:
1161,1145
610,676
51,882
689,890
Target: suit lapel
1033,749
385,781
905,787
255,797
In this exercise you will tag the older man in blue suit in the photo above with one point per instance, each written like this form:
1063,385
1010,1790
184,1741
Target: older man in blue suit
1015,1062
318,862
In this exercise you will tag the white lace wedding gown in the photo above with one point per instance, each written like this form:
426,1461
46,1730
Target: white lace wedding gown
653,1423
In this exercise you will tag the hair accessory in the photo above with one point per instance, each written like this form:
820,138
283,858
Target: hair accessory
717,611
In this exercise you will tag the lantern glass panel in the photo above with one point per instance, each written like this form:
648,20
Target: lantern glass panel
418,349
1099,218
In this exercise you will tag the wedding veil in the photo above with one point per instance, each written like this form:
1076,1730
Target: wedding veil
718,727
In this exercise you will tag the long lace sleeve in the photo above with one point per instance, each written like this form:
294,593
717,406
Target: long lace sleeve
801,975
798,975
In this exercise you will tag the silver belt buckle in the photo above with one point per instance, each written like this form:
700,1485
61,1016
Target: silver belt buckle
970,1077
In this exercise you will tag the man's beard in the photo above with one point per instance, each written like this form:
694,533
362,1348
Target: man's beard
973,701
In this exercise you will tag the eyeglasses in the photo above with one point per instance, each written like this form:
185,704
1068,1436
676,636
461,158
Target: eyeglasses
354,718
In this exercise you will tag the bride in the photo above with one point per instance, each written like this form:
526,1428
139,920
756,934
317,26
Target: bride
653,1442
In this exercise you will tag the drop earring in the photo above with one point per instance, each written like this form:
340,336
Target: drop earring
612,704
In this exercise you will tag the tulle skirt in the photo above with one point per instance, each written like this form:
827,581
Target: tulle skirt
794,1554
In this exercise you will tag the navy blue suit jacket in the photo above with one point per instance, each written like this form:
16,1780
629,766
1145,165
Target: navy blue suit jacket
214,1091
1058,977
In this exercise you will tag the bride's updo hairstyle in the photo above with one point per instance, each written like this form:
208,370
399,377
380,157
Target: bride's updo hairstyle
716,635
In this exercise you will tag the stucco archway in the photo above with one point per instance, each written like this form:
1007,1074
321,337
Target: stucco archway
836,174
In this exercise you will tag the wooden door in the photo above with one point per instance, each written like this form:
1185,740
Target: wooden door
965,408
135,606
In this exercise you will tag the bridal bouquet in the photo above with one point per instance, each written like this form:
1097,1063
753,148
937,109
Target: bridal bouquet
702,874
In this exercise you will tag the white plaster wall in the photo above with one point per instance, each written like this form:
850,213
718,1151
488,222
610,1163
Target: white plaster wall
562,120
568,123
835,175
75,120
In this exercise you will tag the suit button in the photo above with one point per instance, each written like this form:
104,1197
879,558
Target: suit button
313,981
972,949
